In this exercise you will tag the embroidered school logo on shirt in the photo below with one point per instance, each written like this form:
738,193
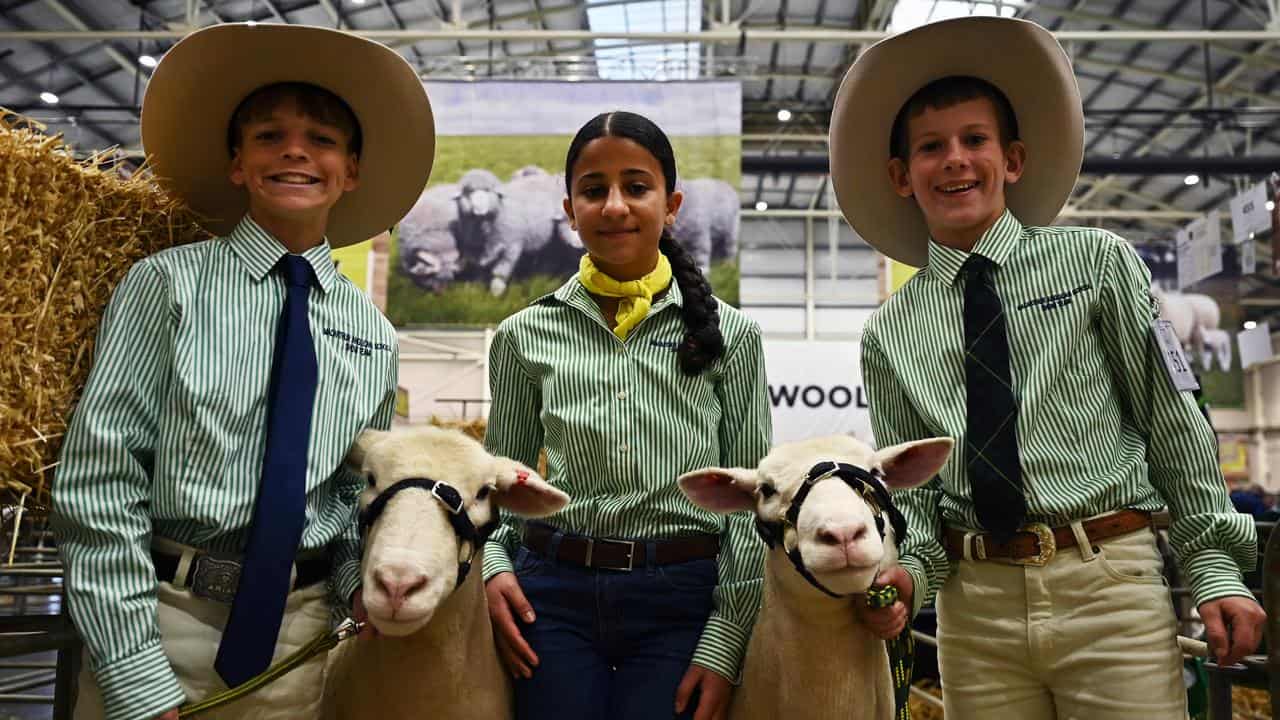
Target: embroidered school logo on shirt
1053,302
356,345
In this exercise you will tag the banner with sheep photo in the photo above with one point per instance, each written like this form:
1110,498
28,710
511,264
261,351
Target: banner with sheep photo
490,234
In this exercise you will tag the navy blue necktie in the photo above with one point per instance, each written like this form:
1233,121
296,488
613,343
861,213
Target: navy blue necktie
991,438
251,632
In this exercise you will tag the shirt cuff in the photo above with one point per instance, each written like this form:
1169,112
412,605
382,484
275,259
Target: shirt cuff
496,560
919,582
722,647
139,686
346,578
1213,574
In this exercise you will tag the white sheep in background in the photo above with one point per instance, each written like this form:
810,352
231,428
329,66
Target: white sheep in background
809,657
708,220
428,240
1195,319
436,655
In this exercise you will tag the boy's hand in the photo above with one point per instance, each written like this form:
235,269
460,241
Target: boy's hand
506,603
713,693
171,715
360,614
1242,617
887,623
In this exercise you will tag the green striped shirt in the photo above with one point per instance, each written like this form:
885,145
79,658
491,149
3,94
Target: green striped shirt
1100,427
169,435
620,422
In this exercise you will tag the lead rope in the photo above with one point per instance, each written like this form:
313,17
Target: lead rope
323,643
901,651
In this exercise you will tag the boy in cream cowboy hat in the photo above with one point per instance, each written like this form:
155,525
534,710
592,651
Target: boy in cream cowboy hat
951,146
203,513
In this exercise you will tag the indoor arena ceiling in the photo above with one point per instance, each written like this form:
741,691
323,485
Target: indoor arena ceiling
1174,91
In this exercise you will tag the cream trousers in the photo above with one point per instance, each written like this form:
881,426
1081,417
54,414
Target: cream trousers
1089,636
190,630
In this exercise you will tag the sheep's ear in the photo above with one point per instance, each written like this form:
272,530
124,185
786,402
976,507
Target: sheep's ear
360,449
913,463
722,490
521,491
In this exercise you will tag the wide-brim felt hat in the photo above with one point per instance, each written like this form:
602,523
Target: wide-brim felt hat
198,85
1019,57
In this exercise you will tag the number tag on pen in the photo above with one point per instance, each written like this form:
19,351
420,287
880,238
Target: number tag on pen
1175,362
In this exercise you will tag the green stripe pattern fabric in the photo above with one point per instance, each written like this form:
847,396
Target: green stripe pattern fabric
1100,427
620,423
169,435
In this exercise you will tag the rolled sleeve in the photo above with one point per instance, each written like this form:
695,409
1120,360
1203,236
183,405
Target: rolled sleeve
139,686
1214,544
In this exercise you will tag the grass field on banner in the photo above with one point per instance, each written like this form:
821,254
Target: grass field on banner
471,303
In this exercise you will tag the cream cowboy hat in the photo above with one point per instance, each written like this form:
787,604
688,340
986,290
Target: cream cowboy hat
1019,57
201,80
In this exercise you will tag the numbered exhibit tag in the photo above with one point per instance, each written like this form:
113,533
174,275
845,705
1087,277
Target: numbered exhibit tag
1174,361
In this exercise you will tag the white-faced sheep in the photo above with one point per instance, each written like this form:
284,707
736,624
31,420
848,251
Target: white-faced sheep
1195,319
809,658
428,238
429,489
707,223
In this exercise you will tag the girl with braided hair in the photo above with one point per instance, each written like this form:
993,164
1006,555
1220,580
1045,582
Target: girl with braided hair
631,603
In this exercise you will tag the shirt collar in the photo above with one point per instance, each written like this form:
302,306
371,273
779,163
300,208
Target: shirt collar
573,293
996,244
260,251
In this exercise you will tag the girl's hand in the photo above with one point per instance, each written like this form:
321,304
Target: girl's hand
887,623
713,693
506,602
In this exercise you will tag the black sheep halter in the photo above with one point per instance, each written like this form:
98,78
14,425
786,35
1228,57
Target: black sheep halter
869,486
449,497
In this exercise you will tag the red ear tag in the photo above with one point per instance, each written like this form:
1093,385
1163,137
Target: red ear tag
522,477
722,479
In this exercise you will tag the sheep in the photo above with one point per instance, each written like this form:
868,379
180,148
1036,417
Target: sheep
809,658
436,638
428,238
1195,319
525,230
707,222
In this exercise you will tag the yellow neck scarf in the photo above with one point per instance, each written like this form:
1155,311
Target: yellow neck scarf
637,295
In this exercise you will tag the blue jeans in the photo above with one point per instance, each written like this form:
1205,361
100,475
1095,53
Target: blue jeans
611,645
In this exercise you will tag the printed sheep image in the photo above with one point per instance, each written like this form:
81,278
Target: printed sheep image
708,221
428,238
1195,319
431,498
809,658
515,229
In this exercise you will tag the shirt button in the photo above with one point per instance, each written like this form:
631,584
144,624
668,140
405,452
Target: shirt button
624,448
622,394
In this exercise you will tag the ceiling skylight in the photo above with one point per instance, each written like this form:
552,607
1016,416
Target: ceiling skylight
624,60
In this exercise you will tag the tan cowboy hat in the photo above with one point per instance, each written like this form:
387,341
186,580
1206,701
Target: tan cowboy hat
1019,57
201,80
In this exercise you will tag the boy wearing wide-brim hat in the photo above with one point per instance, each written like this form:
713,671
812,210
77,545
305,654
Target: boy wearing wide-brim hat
203,513
951,145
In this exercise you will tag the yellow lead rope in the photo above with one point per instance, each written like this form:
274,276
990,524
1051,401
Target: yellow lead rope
322,643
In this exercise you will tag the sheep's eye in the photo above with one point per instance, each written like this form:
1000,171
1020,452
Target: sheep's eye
768,491
484,492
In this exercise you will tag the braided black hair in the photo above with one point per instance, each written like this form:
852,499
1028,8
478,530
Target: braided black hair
703,342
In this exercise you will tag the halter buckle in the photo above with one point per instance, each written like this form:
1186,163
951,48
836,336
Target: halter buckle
631,554
1045,541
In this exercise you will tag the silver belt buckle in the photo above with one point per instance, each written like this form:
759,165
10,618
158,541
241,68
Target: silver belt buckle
214,578
631,554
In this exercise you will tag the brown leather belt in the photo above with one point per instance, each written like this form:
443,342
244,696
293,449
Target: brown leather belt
1036,543
611,554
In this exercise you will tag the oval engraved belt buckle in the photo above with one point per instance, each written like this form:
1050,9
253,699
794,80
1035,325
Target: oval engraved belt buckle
1045,541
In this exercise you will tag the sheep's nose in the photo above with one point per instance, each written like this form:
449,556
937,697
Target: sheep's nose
841,534
399,582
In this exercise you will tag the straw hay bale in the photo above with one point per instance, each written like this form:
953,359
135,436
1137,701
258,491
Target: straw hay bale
69,230
1250,703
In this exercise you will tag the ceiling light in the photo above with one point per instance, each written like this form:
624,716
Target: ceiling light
1252,234
252,23
147,61
49,98
762,206
1271,205
1249,324
1191,179
784,115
